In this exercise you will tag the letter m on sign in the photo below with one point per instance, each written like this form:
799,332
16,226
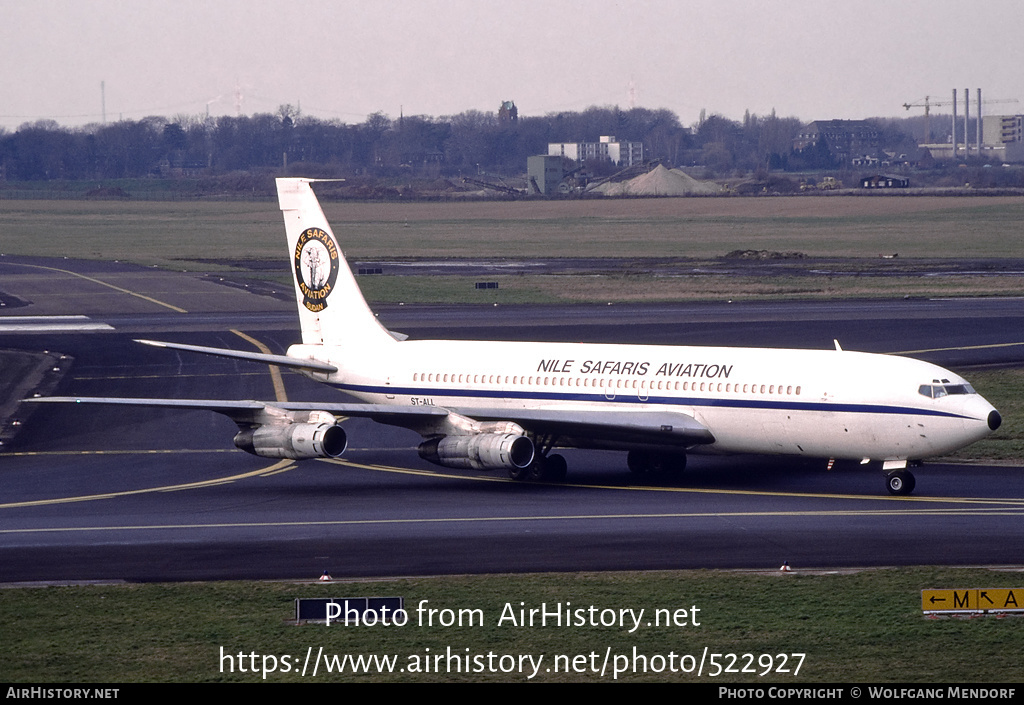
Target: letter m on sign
960,599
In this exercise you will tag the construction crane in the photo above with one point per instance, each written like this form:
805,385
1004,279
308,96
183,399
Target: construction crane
927,103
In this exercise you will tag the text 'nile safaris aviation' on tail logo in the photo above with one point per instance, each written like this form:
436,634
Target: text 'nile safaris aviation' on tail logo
316,267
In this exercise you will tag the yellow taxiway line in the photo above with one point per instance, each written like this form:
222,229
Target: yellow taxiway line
275,371
136,294
279,466
1013,503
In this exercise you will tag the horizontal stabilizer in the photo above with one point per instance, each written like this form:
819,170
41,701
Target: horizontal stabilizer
280,360
647,427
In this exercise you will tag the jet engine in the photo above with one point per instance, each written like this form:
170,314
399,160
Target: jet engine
293,440
482,451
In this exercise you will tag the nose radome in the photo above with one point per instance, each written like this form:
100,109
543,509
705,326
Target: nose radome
994,420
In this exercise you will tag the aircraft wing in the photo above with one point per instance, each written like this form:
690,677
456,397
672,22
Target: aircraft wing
588,428
247,411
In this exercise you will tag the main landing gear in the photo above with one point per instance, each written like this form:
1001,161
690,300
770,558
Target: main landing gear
642,462
551,468
546,466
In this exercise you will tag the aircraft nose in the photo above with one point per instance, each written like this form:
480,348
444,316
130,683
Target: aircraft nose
994,420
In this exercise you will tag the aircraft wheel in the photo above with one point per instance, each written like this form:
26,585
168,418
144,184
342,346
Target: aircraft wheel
521,473
675,464
638,461
549,469
668,464
537,471
556,468
900,482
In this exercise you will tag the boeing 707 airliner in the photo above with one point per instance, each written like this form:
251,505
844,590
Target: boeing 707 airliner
505,406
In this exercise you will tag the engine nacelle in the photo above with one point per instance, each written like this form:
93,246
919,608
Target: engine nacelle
482,451
293,440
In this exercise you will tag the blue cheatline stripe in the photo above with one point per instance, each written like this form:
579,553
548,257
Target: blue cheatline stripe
663,401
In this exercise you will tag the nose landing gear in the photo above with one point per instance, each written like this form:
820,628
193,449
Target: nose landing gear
900,482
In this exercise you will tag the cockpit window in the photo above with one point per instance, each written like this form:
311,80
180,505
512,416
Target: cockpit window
959,389
935,391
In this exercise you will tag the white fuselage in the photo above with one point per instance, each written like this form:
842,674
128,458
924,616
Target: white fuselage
816,403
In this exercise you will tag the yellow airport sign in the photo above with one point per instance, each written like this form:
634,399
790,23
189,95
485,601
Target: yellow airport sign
973,600
1001,599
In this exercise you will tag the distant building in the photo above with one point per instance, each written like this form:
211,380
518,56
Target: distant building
608,149
1002,137
423,162
1002,129
866,160
845,139
545,172
883,181
508,112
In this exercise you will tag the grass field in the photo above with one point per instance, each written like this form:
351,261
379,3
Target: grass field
166,233
853,627
638,288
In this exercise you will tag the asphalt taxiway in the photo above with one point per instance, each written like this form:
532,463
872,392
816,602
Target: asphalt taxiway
150,494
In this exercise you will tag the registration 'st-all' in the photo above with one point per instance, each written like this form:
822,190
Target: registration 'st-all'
505,406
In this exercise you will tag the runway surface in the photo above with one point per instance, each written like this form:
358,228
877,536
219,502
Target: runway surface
147,494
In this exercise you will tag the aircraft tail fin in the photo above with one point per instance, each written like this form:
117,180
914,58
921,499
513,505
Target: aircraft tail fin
332,310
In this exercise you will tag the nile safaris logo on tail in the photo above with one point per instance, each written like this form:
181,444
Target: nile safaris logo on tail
316,267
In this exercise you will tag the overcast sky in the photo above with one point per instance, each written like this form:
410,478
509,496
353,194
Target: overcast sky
346,59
